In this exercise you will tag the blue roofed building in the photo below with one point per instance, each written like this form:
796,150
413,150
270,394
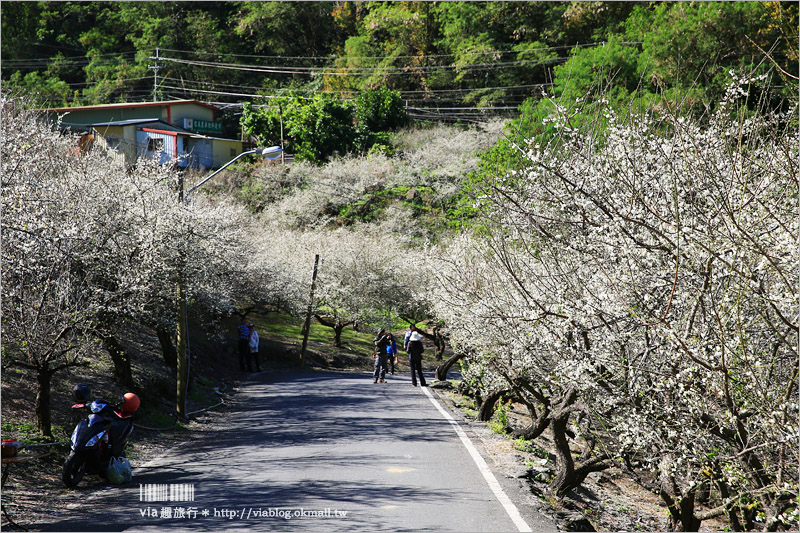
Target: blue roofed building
181,132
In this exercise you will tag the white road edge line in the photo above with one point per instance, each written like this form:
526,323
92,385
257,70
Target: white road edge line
501,496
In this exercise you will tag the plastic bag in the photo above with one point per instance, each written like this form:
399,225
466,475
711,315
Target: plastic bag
119,471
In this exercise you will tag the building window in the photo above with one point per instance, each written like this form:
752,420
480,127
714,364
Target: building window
155,145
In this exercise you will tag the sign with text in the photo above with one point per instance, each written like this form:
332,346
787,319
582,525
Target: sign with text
202,126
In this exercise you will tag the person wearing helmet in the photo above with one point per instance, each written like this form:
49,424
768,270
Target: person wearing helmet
382,342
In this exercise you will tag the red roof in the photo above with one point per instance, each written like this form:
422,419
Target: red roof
135,104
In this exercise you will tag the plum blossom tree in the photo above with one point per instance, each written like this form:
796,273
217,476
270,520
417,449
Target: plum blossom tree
89,245
79,250
356,275
634,287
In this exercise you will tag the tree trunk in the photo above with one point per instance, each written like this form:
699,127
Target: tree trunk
570,476
337,334
43,421
689,521
487,407
565,479
441,370
439,342
122,363
336,324
725,496
537,427
681,511
680,504
167,348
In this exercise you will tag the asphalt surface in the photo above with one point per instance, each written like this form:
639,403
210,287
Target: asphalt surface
315,452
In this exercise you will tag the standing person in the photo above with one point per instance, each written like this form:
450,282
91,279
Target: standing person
381,342
415,349
411,329
391,352
253,349
244,344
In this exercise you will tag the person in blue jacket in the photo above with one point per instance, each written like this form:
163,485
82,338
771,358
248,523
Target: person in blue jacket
391,352
244,344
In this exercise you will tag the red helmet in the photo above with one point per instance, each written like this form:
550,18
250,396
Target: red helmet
130,403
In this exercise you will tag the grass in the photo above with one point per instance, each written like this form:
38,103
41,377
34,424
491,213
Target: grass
523,445
153,418
286,328
357,346
500,420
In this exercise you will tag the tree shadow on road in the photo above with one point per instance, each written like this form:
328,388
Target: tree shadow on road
291,421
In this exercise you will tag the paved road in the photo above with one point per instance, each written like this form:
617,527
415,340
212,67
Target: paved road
315,452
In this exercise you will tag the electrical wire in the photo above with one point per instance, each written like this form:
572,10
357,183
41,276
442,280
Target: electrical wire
424,56
354,71
207,84
267,97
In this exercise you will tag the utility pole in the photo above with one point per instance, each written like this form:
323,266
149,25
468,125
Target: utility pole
182,327
280,115
155,76
307,325
182,340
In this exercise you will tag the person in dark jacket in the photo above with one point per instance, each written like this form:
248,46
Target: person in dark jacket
244,344
414,348
382,342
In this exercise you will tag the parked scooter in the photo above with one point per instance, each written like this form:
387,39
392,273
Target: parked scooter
99,437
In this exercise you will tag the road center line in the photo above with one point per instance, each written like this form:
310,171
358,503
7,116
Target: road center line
501,496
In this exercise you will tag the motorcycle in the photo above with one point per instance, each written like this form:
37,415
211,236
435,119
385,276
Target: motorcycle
99,437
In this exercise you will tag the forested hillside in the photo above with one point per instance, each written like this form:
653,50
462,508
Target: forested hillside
449,60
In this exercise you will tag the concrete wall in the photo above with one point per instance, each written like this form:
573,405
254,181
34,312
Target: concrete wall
225,150
179,112
119,139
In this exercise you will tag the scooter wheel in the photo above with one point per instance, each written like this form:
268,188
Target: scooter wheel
74,468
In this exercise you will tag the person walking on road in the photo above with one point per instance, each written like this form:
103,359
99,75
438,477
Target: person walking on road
414,348
391,352
253,349
381,341
244,344
411,329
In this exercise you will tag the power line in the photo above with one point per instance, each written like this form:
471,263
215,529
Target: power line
225,93
457,108
31,64
432,93
450,110
208,84
46,60
527,86
122,81
345,71
424,56
62,47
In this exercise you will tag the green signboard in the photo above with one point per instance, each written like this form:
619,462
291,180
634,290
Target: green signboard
202,126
